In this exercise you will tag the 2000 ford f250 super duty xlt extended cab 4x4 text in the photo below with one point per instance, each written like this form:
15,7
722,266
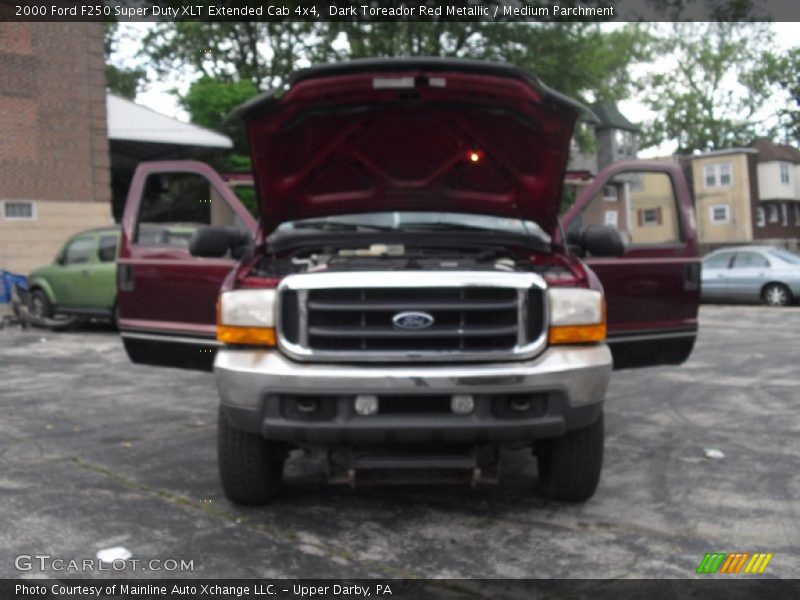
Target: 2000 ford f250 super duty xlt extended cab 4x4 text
408,304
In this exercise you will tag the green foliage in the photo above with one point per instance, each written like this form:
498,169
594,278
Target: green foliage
786,69
578,59
263,53
209,101
713,97
247,196
125,82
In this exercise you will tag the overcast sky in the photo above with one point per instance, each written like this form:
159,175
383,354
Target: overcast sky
158,94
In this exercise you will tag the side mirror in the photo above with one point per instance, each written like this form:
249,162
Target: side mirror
598,240
211,241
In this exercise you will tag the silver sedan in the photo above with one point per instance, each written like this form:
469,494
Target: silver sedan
751,274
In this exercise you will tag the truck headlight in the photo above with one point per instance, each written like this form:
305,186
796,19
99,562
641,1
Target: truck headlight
577,316
247,317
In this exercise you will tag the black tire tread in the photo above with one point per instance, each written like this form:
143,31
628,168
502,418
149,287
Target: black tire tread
250,467
570,466
48,306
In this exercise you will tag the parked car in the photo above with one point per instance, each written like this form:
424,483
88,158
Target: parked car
751,274
406,304
81,281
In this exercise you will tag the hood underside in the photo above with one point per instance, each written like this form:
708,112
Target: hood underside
422,135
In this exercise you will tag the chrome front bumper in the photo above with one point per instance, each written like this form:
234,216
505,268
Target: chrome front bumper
250,382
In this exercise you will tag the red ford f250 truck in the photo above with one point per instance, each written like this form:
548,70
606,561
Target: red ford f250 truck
409,303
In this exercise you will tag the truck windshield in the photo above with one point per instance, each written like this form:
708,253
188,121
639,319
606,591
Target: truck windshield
421,221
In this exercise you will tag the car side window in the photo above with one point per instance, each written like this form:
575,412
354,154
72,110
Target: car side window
79,251
642,205
746,260
174,205
107,248
718,261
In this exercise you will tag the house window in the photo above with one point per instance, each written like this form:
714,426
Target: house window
720,213
636,182
610,193
773,213
625,143
19,211
717,175
784,215
761,217
650,217
786,178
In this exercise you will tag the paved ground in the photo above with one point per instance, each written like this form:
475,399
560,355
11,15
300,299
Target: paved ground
97,452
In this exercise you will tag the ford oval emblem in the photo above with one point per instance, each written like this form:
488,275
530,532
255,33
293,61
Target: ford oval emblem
412,320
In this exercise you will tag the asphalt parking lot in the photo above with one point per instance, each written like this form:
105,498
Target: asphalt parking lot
97,452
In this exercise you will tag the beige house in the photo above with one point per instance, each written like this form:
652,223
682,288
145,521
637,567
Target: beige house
721,182
747,195
641,205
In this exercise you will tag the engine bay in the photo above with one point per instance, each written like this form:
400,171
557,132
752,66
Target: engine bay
395,257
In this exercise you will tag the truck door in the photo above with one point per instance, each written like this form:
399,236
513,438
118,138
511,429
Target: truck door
167,297
653,290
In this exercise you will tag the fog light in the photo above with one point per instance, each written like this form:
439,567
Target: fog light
366,405
307,406
520,404
462,404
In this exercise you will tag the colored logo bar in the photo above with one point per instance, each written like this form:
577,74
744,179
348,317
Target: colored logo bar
734,562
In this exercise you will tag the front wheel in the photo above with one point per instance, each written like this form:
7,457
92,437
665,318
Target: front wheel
776,294
250,467
40,305
570,466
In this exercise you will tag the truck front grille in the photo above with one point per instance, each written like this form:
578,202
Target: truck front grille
356,319
463,319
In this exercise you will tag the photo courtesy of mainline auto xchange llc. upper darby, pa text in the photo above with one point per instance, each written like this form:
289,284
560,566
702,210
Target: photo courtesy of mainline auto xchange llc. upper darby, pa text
197,589
398,305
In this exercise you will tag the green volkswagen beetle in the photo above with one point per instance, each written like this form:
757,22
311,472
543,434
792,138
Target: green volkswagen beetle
81,281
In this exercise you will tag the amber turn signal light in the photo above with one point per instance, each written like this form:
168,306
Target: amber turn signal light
250,336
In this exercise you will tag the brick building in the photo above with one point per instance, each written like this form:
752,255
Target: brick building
54,157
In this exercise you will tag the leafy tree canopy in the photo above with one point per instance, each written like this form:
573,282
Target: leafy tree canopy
713,85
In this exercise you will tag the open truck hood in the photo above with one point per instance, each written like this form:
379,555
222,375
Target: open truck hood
410,134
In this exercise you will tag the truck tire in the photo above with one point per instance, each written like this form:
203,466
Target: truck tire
250,467
570,466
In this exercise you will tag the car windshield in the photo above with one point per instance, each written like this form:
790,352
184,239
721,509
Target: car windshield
786,256
420,221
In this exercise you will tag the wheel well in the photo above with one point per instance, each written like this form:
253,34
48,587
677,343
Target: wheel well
37,287
780,283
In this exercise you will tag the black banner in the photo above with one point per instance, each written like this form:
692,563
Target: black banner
411,10
716,588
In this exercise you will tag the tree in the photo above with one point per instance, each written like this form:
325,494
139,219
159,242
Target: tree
123,81
714,93
263,53
209,102
787,68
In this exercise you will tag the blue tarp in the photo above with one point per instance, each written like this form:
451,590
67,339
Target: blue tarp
7,281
